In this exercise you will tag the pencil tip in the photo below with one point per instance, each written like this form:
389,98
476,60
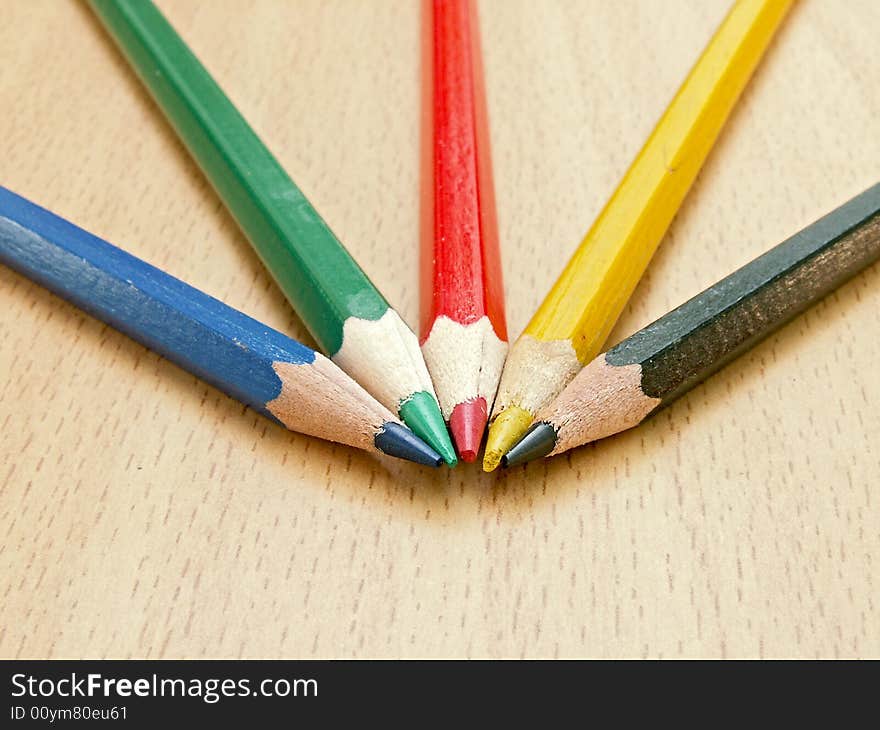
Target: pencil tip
467,423
504,432
396,440
422,414
538,441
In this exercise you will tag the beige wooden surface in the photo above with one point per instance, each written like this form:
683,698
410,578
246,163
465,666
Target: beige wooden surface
142,513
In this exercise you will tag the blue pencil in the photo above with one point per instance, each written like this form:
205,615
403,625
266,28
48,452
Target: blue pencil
284,380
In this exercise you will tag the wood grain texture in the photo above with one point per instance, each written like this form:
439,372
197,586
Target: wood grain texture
735,523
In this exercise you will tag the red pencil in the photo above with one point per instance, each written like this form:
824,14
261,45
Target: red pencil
463,329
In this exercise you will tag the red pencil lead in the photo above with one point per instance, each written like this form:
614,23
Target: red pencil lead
468,423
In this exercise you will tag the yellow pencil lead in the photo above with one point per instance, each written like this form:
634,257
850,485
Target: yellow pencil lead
504,432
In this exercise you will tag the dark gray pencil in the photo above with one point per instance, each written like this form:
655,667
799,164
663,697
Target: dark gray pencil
656,365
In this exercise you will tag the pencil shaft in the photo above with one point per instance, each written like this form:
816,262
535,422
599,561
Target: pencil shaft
701,336
163,313
586,301
279,377
463,330
310,264
461,267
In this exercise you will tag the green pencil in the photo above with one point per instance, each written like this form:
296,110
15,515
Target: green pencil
346,314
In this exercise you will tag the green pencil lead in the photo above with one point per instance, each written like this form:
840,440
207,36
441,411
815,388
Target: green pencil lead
421,413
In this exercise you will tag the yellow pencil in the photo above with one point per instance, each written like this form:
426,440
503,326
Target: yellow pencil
572,323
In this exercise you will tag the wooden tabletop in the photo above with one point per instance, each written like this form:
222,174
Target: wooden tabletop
144,514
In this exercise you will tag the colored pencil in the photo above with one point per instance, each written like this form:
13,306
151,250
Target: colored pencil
663,361
282,379
571,325
463,328
346,314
